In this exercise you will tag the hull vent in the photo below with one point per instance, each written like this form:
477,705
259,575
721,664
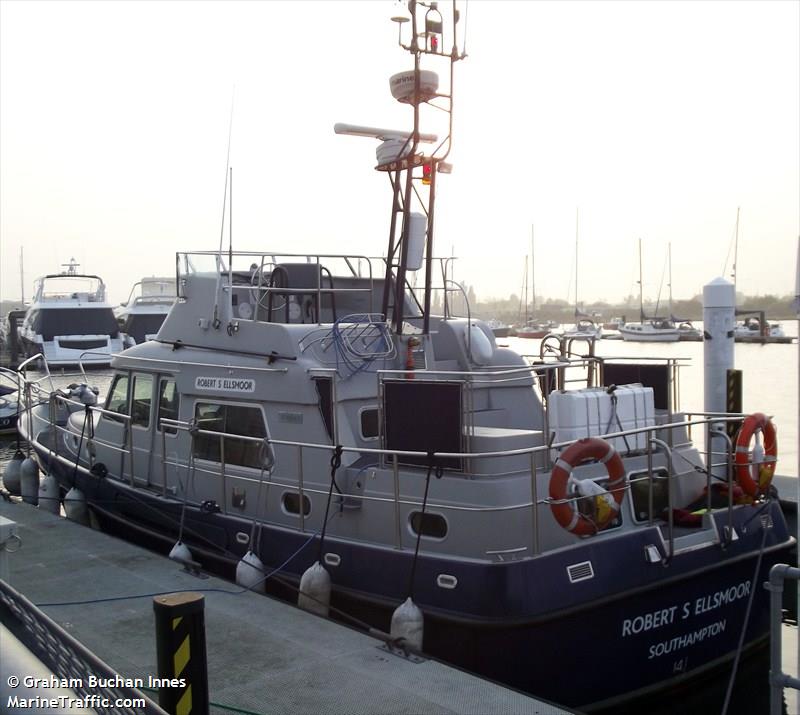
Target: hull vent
580,572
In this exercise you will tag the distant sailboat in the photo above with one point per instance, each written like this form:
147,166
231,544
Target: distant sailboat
584,327
532,327
755,327
686,331
649,330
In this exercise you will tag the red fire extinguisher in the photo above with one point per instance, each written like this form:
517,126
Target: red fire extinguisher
410,345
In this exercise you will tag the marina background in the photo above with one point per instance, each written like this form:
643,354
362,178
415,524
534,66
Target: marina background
656,119
770,385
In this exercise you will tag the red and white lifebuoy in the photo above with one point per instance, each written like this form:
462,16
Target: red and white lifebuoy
755,474
591,448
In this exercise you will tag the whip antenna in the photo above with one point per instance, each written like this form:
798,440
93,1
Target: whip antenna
216,321
227,166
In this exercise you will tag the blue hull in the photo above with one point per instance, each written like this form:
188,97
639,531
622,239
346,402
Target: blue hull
634,628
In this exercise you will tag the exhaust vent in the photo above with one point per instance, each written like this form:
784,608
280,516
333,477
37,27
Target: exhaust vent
580,572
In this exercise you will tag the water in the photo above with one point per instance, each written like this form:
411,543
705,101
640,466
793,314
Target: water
769,385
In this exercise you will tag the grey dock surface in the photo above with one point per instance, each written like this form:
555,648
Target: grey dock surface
264,656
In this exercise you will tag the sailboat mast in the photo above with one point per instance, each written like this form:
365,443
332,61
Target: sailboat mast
533,277
576,262
669,259
21,275
526,290
641,285
735,251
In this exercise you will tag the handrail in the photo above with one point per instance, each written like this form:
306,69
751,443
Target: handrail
186,426
670,503
778,680
729,476
487,376
395,498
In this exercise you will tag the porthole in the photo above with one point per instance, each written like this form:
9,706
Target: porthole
433,526
291,503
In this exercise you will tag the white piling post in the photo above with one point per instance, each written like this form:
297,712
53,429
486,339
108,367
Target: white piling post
719,320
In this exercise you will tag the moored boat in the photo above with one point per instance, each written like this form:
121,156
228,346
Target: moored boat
537,329
296,416
654,330
142,314
756,329
650,330
584,327
687,331
9,407
614,323
500,329
69,321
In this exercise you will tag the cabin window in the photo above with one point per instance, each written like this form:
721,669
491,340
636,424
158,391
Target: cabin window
291,503
168,403
640,494
369,423
141,400
324,387
118,398
232,420
433,526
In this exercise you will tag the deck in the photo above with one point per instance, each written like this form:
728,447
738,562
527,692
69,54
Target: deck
264,656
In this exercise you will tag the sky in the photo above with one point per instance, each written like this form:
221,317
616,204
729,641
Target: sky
646,120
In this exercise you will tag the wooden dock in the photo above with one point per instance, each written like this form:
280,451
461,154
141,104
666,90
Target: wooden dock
264,656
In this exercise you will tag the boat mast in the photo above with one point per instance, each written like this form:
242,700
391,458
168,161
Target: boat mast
412,171
525,287
669,285
735,251
641,285
21,275
576,265
533,278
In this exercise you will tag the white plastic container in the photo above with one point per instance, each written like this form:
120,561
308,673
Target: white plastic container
416,240
592,412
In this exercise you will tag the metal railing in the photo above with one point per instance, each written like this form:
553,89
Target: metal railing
391,458
67,658
778,680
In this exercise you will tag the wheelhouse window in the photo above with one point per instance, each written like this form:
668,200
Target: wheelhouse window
168,404
118,398
141,400
232,420
369,423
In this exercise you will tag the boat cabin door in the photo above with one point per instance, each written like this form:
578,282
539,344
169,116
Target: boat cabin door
125,444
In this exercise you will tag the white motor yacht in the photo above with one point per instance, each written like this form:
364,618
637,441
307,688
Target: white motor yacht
69,320
148,304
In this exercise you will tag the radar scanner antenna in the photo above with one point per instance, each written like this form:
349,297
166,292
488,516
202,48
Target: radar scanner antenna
413,159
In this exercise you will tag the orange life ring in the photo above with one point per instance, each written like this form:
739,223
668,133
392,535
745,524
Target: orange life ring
563,510
755,478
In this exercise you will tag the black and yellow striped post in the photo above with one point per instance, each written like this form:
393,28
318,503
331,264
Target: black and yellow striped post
733,399
181,652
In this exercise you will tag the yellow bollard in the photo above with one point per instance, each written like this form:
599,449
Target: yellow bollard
181,653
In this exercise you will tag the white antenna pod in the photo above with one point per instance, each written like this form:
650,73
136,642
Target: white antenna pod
355,130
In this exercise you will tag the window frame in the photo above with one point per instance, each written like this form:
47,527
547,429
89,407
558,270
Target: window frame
211,400
109,413
413,531
306,501
167,430
367,408
131,390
